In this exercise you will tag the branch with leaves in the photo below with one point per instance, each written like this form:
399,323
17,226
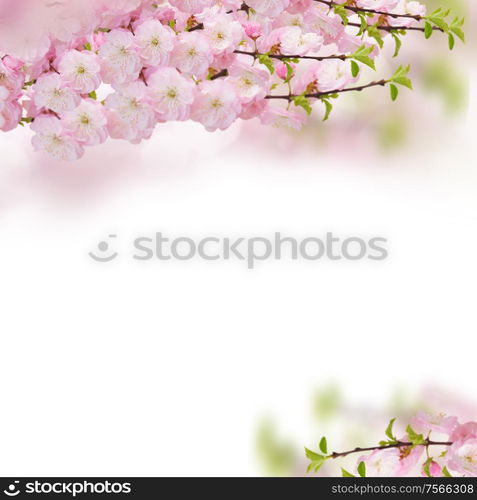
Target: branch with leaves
411,453
362,55
372,22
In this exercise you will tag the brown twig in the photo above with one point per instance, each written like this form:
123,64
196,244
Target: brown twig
318,95
342,57
384,27
399,444
357,10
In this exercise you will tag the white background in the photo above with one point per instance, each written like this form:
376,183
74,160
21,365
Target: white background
165,369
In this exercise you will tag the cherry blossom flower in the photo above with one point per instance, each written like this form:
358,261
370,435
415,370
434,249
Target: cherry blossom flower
172,94
217,106
120,60
81,70
53,93
439,423
462,457
130,114
155,42
87,123
51,137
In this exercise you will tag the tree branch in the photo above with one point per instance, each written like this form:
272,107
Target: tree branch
342,57
384,27
399,444
357,10
318,95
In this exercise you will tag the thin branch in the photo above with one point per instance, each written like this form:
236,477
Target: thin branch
384,27
399,444
220,74
342,57
357,10
318,95
199,26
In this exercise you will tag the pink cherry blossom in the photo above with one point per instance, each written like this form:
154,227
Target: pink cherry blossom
192,54
462,432
381,463
223,34
155,42
130,113
425,422
120,59
87,123
53,93
435,470
462,457
217,106
52,138
250,83
80,70
171,94
283,118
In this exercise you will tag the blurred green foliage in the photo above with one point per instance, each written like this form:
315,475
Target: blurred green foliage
458,7
326,402
277,458
441,76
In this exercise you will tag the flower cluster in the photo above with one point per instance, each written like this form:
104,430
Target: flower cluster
413,452
80,71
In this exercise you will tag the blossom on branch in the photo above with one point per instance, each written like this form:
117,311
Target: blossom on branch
211,61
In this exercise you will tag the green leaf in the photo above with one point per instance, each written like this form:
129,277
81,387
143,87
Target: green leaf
398,43
354,69
317,460
439,22
427,467
290,71
362,55
374,32
364,24
428,31
324,445
446,473
345,473
312,455
366,60
456,28
87,46
459,32
266,60
328,109
451,41
389,428
341,11
362,469
415,438
93,95
400,77
302,102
